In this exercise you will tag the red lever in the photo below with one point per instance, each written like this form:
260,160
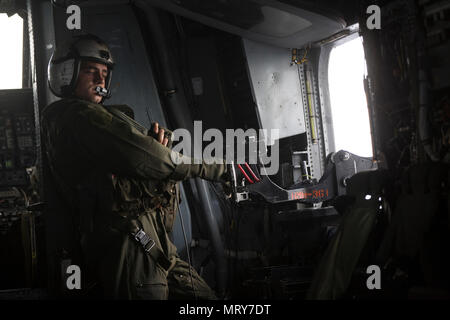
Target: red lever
251,171
245,174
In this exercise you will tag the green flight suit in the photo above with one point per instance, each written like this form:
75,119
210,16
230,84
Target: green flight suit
119,180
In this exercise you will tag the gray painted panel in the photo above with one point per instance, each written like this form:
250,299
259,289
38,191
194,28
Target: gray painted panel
316,26
276,88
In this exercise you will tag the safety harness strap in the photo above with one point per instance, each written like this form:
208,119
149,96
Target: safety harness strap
134,229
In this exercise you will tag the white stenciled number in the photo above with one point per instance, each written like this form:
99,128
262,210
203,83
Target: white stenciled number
74,20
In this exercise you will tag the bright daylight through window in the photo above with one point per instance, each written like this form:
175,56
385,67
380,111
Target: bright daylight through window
346,71
11,39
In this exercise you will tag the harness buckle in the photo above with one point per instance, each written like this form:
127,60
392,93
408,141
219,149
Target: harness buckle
144,239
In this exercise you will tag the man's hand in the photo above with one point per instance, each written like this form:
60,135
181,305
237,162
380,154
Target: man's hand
158,134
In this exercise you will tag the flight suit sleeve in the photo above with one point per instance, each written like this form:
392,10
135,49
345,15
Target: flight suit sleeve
111,142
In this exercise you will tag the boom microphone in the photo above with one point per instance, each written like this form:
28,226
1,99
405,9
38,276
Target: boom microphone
102,92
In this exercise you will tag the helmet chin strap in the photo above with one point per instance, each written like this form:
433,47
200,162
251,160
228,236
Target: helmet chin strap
103,92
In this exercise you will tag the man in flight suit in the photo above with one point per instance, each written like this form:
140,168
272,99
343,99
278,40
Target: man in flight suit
118,180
